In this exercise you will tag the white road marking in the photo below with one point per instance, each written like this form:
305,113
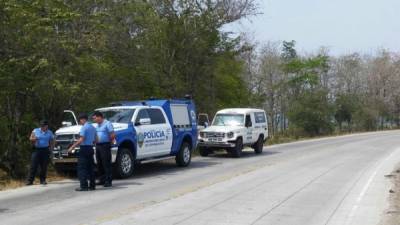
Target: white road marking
360,197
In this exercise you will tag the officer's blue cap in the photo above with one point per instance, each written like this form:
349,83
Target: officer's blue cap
44,123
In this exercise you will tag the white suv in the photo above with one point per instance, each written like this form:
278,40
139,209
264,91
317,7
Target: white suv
232,129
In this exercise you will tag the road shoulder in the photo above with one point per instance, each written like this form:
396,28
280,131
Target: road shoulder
392,214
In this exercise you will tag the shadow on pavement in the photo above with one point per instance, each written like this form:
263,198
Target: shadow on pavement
222,154
168,167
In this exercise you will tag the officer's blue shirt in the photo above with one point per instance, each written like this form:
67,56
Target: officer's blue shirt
88,132
104,130
43,138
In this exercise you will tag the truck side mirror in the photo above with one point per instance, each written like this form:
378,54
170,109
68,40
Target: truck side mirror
66,124
143,121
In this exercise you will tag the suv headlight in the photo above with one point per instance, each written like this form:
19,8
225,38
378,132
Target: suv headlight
230,135
202,134
76,137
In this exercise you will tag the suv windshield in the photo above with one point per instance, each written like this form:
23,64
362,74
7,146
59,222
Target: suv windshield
118,115
228,120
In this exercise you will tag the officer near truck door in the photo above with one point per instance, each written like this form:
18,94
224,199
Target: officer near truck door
85,142
43,141
106,137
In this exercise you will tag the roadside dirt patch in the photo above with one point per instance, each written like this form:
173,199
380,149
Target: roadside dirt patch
8,183
392,215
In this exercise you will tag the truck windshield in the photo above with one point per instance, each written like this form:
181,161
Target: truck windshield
228,120
118,115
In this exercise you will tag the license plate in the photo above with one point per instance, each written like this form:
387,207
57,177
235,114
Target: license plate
213,140
66,160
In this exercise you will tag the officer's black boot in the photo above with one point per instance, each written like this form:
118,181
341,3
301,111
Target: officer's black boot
81,189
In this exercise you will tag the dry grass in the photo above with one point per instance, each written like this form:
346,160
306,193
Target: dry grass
8,183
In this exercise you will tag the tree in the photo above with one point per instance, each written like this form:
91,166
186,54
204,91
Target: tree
346,106
80,55
312,113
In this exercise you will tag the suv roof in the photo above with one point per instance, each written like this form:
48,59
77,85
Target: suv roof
240,110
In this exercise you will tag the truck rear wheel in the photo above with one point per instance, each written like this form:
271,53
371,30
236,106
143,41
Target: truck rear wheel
124,164
237,150
259,145
184,155
204,151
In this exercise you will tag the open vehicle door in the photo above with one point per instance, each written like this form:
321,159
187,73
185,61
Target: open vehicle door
202,121
69,119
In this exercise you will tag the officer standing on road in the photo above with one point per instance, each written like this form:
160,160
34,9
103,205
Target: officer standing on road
106,136
43,141
86,153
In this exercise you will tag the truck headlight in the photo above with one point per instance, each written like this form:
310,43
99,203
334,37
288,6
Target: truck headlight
230,135
202,134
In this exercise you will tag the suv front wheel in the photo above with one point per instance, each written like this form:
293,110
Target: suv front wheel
237,150
204,151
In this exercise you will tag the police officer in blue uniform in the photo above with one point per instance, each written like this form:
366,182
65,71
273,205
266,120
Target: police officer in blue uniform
43,140
85,142
105,137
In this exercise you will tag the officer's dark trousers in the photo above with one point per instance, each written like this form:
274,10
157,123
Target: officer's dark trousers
86,166
104,166
40,158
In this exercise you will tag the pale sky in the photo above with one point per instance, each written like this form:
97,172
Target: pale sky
344,26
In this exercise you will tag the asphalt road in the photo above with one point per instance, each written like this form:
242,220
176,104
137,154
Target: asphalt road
326,181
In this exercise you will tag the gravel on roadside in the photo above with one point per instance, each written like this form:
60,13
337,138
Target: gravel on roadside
392,215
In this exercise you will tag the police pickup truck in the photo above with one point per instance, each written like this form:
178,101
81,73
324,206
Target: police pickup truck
145,131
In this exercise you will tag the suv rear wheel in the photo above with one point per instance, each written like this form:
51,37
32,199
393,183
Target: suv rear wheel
259,145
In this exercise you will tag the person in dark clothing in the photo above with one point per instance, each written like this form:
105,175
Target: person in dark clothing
43,140
106,137
85,142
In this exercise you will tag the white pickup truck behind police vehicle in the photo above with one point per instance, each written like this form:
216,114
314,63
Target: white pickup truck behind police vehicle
145,131
232,129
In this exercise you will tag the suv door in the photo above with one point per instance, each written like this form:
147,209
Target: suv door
261,125
257,130
202,121
69,119
249,130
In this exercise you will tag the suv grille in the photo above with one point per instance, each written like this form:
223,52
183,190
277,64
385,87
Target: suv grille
63,142
214,134
65,137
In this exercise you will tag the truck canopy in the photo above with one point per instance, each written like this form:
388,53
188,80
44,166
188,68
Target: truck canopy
181,114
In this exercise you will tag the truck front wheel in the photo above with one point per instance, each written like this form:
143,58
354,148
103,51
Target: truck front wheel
124,163
184,155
